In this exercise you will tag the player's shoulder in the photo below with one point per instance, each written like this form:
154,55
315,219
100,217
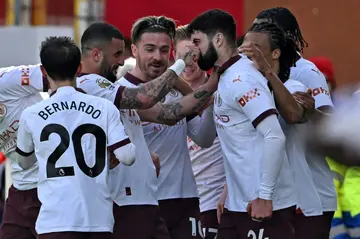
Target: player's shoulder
7,74
305,68
124,82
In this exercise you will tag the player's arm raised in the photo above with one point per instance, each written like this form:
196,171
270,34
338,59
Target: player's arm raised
25,146
193,103
147,95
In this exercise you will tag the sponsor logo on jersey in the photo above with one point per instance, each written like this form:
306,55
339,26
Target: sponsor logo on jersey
249,96
103,83
25,76
319,90
3,110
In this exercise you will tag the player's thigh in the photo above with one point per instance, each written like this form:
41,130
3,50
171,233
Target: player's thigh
161,231
227,228
280,226
188,225
315,227
20,214
209,224
136,221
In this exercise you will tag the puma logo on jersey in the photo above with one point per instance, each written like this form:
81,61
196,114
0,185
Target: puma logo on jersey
237,79
317,71
249,96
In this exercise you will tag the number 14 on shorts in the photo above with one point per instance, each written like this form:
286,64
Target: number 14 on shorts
251,234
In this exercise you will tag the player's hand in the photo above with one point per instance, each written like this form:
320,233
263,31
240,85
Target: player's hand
189,54
306,100
254,53
221,204
260,209
156,161
113,161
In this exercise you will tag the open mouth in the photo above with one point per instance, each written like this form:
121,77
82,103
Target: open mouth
189,70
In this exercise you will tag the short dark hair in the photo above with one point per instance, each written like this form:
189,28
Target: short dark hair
98,34
60,57
157,24
181,34
287,21
279,40
213,21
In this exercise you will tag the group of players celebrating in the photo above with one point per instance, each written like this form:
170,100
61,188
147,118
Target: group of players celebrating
107,158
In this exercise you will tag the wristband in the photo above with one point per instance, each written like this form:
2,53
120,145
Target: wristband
178,66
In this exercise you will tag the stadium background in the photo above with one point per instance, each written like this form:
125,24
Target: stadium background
329,27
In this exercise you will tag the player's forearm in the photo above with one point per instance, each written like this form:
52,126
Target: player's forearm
289,109
203,133
191,103
273,156
148,94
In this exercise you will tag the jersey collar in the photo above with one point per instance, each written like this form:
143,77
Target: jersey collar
229,63
67,89
132,79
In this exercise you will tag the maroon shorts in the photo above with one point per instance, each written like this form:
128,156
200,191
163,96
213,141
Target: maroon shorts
139,222
239,225
209,224
182,217
21,211
316,227
75,235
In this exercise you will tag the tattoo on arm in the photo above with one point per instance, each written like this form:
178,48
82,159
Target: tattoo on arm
148,94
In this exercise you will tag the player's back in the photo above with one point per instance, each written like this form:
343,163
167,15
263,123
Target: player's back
70,132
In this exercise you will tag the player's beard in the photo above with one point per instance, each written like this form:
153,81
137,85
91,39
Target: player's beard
207,61
145,68
108,71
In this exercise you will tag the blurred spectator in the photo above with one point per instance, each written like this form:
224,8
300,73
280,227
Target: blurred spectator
325,65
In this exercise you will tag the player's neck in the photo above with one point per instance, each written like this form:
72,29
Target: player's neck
194,84
225,55
54,85
139,74
87,67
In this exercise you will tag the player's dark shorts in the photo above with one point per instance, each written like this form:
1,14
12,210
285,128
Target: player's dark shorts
209,224
239,225
182,217
75,235
21,211
316,227
139,222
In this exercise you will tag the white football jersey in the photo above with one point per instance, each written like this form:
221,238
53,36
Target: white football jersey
308,197
176,179
20,87
309,75
243,96
208,168
71,133
137,184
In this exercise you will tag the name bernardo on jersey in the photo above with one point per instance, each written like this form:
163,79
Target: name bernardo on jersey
72,105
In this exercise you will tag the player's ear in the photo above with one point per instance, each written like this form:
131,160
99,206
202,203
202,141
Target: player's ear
79,70
134,50
276,54
96,54
219,39
43,71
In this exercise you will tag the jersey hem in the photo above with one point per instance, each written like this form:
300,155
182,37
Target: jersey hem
74,229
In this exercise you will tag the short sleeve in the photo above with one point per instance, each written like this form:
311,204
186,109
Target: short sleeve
253,98
117,136
295,86
315,80
25,144
101,87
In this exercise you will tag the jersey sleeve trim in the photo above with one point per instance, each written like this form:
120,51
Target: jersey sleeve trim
191,117
263,116
119,144
45,84
119,96
22,153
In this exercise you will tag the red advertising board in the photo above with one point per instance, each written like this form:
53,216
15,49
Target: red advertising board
123,14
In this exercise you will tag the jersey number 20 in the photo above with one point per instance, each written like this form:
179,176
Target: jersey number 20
100,150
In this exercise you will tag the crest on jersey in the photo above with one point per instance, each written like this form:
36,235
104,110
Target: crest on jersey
103,83
3,110
217,99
